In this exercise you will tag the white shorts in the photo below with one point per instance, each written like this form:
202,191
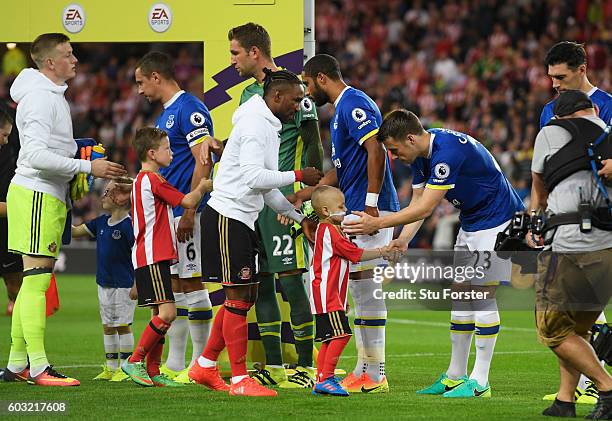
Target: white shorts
116,308
380,239
476,249
189,263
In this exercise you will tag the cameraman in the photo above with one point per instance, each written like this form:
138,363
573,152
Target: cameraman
581,261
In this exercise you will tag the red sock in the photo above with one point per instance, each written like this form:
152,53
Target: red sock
215,343
155,330
332,355
235,334
321,360
154,358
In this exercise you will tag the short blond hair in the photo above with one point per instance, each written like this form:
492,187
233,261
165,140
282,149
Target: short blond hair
321,196
44,45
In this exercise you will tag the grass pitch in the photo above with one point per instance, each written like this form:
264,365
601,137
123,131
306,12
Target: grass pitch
418,350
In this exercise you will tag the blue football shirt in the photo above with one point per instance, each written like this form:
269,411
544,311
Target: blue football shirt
357,118
114,241
476,185
188,122
601,99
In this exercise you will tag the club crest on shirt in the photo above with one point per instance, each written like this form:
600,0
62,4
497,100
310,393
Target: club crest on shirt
358,115
245,273
197,119
52,247
170,121
442,170
116,234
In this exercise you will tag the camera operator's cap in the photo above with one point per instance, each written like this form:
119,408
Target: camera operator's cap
570,101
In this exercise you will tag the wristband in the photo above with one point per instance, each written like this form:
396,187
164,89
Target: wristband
298,175
371,200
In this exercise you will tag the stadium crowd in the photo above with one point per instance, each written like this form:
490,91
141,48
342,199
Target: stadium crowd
479,73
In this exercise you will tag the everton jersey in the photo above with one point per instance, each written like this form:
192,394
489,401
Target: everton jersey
356,119
475,183
114,241
187,122
601,100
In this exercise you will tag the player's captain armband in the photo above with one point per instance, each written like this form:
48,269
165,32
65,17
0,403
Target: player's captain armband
197,134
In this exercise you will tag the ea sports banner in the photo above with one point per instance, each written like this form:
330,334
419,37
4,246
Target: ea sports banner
204,21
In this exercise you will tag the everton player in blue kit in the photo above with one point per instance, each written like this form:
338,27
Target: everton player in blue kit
188,123
115,278
363,174
453,165
567,67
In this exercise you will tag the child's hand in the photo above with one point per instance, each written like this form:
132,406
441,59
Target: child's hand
133,293
206,185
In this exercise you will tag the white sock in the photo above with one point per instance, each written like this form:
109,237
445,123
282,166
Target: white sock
177,335
487,328
200,321
361,366
16,368
111,349
35,371
461,331
371,317
206,363
126,345
237,379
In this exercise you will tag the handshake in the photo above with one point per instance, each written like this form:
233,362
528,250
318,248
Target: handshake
393,251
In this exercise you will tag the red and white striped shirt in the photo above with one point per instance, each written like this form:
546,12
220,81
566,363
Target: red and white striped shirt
329,270
154,233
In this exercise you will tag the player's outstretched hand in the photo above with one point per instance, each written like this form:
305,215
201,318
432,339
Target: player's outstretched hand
309,227
102,168
121,190
311,176
366,224
184,231
133,293
210,145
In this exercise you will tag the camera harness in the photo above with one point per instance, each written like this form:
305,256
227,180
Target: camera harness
580,153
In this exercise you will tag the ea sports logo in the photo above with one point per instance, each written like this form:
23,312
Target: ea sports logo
160,17
73,18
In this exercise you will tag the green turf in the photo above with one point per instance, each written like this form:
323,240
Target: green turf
417,352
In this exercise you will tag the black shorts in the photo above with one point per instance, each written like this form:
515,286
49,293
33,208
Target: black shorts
9,262
331,326
229,250
153,284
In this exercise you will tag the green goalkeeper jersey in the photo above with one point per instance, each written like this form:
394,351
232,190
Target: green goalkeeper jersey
291,154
